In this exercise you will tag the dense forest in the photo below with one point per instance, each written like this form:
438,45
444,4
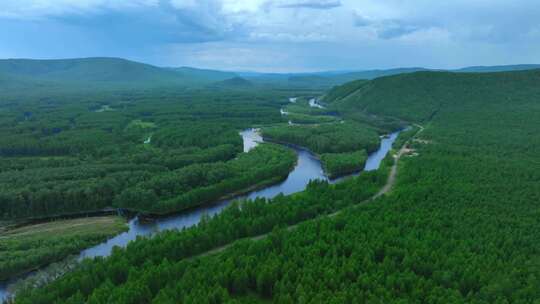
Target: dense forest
461,225
196,184
65,152
80,136
165,251
342,146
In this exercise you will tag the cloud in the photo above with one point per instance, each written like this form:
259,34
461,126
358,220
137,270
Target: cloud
314,33
394,29
495,21
387,29
313,4
36,9
361,21
288,37
138,23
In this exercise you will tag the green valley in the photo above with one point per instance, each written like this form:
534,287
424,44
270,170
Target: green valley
460,225
269,151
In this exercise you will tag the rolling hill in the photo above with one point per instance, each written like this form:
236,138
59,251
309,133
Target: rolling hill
86,70
101,73
329,79
372,74
235,82
116,72
499,68
419,96
203,74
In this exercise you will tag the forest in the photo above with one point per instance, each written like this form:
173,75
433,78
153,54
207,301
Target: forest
197,184
123,136
240,220
341,146
68,152
460,226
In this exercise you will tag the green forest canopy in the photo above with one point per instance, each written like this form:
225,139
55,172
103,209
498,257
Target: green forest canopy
461,225
64,152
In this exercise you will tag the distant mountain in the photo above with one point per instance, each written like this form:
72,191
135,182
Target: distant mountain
204,74
101,73
14,84
372,74
323,80
310,80
333,78
86,70
498,68
304,78
235,82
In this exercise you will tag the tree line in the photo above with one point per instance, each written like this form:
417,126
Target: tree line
343,147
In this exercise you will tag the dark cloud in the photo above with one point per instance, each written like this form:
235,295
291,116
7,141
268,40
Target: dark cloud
157,24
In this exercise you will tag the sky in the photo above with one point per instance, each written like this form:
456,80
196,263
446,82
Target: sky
276,35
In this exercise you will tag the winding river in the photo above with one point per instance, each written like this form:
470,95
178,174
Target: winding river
307,168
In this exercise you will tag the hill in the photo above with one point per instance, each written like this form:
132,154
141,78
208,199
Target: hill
425,93
341,91
86,70
235,82
499,68
100,73
203,74
329,79
323,80
307,79
372,74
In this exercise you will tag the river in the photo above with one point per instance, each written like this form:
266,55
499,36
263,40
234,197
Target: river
314,103
307,168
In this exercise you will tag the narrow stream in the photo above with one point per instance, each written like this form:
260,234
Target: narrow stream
307,168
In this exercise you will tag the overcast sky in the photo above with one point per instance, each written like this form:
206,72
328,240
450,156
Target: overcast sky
276,35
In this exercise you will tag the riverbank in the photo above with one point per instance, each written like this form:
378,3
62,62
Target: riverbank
358,167
18,223
261,185
385,189
25,249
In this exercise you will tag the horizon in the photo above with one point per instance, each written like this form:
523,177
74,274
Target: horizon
276,36
284,72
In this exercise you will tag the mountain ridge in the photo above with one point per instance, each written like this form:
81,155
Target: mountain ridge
101,72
